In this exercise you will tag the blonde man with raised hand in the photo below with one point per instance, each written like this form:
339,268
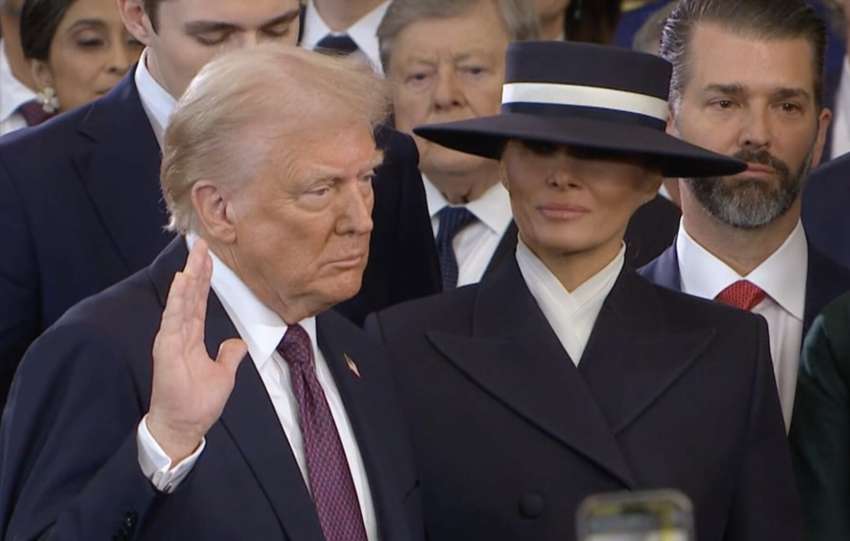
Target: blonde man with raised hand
292,432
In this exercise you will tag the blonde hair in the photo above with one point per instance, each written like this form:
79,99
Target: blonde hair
239,103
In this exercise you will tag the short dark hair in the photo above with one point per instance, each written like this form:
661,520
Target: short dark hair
765,19
39,21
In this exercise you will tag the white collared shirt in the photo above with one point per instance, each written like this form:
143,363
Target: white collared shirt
475,244
841,114
782,276
13,94
571,315
262,330
156,101
363,33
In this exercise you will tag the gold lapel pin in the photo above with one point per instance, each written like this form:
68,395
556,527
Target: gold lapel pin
351,365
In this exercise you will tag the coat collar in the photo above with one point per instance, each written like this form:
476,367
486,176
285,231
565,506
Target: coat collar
119,168
631,359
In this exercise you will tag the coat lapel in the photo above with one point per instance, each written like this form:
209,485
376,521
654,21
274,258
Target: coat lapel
120,171
249,416
633,354
505,250
664,270
352,364
515,356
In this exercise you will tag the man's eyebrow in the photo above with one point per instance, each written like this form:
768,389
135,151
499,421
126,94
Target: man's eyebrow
788,93
287,17
732,89
202,27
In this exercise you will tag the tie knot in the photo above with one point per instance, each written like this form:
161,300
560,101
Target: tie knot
33,112
452,220
742,294
341,44
296,348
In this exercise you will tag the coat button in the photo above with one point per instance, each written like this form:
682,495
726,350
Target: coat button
531,505
130,520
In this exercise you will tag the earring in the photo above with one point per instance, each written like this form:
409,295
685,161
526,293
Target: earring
48,100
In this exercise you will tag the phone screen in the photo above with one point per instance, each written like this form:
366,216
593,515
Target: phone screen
663,515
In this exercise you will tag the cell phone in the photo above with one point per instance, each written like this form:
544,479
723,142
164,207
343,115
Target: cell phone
657,515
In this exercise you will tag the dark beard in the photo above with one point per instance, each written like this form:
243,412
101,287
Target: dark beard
748,203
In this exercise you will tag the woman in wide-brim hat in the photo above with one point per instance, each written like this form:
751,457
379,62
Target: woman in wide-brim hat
564,373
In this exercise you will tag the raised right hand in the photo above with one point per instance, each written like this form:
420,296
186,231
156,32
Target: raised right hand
189,388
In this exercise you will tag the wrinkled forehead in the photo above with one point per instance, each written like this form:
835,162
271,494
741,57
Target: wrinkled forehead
723,57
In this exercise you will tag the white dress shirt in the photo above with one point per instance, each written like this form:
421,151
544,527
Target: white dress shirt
475,244
782,276
13,94
262,330
362,33
571,315
156,101
841,114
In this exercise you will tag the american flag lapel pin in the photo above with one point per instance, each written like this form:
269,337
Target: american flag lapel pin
351,365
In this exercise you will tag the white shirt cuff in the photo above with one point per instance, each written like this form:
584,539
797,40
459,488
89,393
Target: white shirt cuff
156,465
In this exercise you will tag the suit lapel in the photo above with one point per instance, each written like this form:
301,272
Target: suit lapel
633,355
120,171
664,270
249,416
515,356
505,250
352,365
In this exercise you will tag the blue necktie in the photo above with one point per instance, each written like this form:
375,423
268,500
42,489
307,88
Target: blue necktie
341,44
452,220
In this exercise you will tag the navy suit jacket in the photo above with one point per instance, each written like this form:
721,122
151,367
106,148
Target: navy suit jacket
81,209
509,435
825,279
69,462
826,209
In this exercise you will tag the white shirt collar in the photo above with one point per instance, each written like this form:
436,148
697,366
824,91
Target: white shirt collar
363,32
571,315
156,101
782,275
261,328
13,93
493,208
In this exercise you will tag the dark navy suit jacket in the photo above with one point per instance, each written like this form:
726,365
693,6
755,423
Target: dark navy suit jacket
69,462
509,435
825,279
81,209
826,209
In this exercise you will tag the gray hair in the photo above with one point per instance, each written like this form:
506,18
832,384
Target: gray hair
223,127
648,37
761,19
519,17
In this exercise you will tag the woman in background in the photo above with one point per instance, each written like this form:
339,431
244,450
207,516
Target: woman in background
79,50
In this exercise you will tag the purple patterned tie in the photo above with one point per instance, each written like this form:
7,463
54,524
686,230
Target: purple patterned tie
327,468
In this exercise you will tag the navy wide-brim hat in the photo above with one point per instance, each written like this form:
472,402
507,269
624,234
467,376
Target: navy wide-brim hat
584,96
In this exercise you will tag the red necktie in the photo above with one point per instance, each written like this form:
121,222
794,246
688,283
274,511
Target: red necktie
327,468
33,113
742,294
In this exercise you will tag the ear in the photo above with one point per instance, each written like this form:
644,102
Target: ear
824,119
503,174
652,184
136,20
671,120
214,212
41,74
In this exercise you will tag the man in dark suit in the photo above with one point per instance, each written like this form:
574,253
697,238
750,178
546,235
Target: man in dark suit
747,83
301,440
564,373
825,202
79,198
820,430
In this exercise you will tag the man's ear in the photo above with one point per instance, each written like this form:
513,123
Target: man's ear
214,212
824,120
136,20
671,120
